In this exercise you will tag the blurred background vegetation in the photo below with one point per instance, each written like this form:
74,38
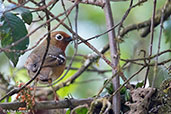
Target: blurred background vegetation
91,21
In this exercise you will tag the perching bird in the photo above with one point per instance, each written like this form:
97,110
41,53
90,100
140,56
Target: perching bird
55,60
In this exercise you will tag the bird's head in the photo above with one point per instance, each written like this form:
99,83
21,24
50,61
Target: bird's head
60,39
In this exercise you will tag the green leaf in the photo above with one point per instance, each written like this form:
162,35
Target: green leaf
167,33
78,111
109,87
162,74
127,96
4,100
123,90
139,84
81,111
68,111
13,29
27,17
9,99
25,13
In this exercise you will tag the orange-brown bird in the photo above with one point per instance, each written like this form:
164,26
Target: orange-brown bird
55,60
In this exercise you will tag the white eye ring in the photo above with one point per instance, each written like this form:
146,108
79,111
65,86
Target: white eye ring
59,37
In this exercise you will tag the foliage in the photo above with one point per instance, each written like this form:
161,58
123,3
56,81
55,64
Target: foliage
13,29
167,32
78,111
161,75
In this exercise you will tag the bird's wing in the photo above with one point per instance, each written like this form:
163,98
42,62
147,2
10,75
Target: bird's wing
53,60
54,57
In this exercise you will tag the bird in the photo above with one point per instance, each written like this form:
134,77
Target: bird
55,60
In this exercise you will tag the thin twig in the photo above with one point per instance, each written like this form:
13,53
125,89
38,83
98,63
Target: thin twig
124,17
116,91
75,53
21,39
14,91
151,40
158,50
147,23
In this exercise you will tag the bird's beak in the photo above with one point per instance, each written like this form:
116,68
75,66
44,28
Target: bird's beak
68,39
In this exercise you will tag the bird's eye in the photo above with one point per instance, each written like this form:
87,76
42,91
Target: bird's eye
59,37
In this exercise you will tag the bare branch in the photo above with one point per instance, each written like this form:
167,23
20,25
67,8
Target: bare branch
100,3
114,55
147,23
46,105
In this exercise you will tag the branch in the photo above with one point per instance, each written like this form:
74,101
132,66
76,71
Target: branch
114,55
132,76
46,105
85,66
16,90
7,48
99,3
147,23
87,63
147,58
80,38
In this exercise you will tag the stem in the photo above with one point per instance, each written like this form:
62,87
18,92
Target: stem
114,55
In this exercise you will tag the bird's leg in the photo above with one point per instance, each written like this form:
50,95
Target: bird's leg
53,89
